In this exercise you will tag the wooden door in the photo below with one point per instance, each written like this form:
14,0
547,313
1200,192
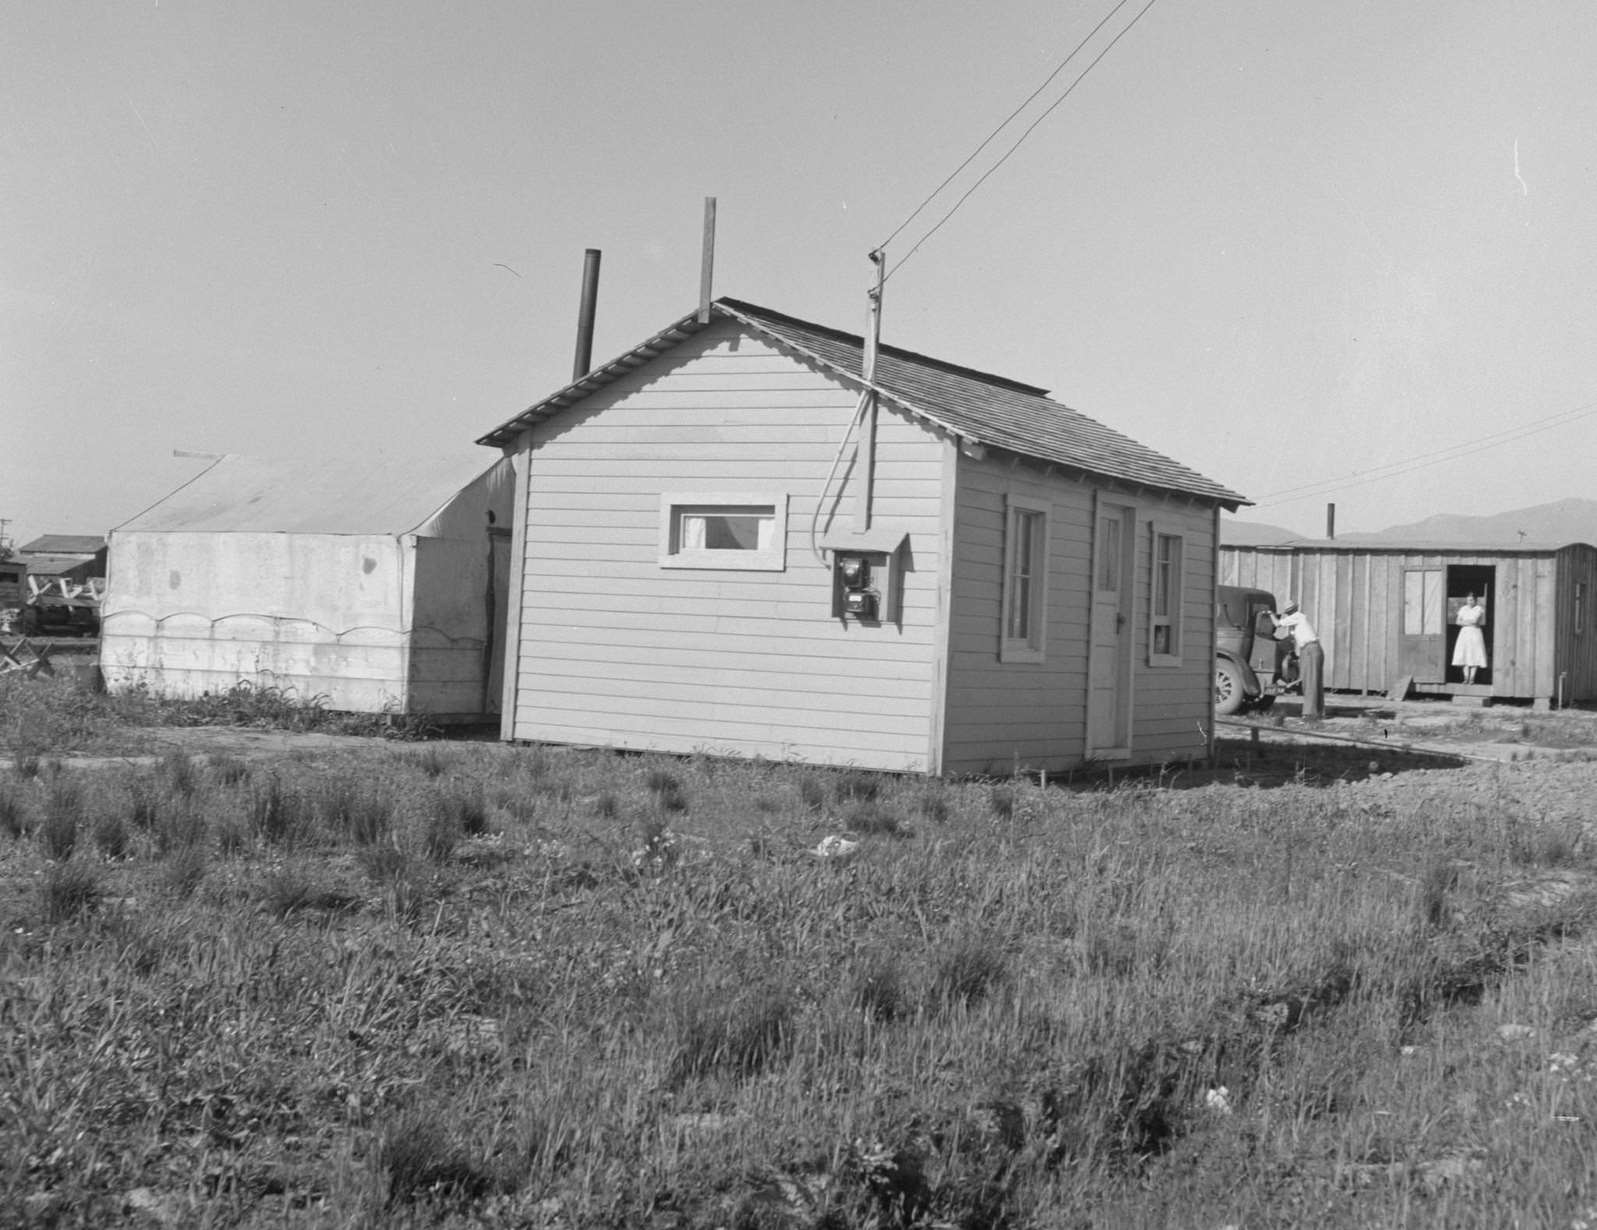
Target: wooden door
1422,635
1109,655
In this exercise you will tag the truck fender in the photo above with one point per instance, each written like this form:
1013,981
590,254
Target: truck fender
1250,680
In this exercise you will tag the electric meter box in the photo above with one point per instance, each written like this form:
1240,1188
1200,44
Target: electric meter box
867,575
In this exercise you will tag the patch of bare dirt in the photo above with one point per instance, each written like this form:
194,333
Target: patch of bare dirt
1466,731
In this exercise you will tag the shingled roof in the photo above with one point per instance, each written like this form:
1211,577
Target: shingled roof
975,406
63,544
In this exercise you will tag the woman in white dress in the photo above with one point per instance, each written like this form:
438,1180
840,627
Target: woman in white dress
1469,651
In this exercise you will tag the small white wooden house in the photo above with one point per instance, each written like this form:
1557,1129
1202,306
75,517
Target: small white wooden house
724,543
376,585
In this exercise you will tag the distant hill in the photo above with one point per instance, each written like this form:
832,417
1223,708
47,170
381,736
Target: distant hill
1559,522
1254,533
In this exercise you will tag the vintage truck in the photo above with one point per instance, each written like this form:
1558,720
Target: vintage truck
1251,667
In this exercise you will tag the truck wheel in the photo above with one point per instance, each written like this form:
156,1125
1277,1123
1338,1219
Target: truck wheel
1230,694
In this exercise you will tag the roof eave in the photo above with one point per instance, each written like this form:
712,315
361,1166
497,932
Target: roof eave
505,435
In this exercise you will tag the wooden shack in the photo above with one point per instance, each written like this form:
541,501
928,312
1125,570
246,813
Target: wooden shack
1386,612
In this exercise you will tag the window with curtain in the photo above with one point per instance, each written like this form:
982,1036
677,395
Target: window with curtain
735,530
1164,607
1025,580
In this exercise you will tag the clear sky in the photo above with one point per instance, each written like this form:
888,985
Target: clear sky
1290,245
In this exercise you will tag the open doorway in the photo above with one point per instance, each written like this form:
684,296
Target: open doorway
1464,581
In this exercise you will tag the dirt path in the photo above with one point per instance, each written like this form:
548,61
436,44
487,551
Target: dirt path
1503,733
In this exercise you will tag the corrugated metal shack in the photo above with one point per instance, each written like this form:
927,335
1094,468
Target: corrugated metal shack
1386,612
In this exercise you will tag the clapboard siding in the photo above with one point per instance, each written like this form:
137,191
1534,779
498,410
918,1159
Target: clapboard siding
617,678
1004,715
1172,704
674,733
614,649
714,657
1353,593
1007,714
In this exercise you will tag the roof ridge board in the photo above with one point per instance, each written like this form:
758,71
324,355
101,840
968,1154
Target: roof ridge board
892,394
744,309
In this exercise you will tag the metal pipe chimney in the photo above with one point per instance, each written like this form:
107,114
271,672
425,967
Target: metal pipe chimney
1330,520
585,314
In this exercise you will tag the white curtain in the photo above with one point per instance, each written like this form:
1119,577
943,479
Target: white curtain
731,531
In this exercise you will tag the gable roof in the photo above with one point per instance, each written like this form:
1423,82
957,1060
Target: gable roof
63,544
975,406
375,495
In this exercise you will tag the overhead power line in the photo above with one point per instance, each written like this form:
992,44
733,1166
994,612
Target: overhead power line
1030,128
1441,456
1007,120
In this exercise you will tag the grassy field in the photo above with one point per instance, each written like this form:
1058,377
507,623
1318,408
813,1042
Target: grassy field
452,984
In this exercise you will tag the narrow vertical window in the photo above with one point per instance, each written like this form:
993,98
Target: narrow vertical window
1109,553
1164,609
1423,602
1024,580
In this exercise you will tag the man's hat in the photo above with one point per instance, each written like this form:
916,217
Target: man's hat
1289,608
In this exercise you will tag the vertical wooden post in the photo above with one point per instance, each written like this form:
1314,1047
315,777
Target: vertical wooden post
707,262
866,455
582,362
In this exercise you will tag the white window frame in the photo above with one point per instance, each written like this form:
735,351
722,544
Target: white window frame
1176,598
673,554
1032,647
1424,602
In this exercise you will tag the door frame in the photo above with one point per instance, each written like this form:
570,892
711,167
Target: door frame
1481,579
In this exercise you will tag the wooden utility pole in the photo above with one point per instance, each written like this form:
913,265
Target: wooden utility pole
867,440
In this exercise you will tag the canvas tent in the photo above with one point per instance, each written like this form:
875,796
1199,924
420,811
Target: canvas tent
373,586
